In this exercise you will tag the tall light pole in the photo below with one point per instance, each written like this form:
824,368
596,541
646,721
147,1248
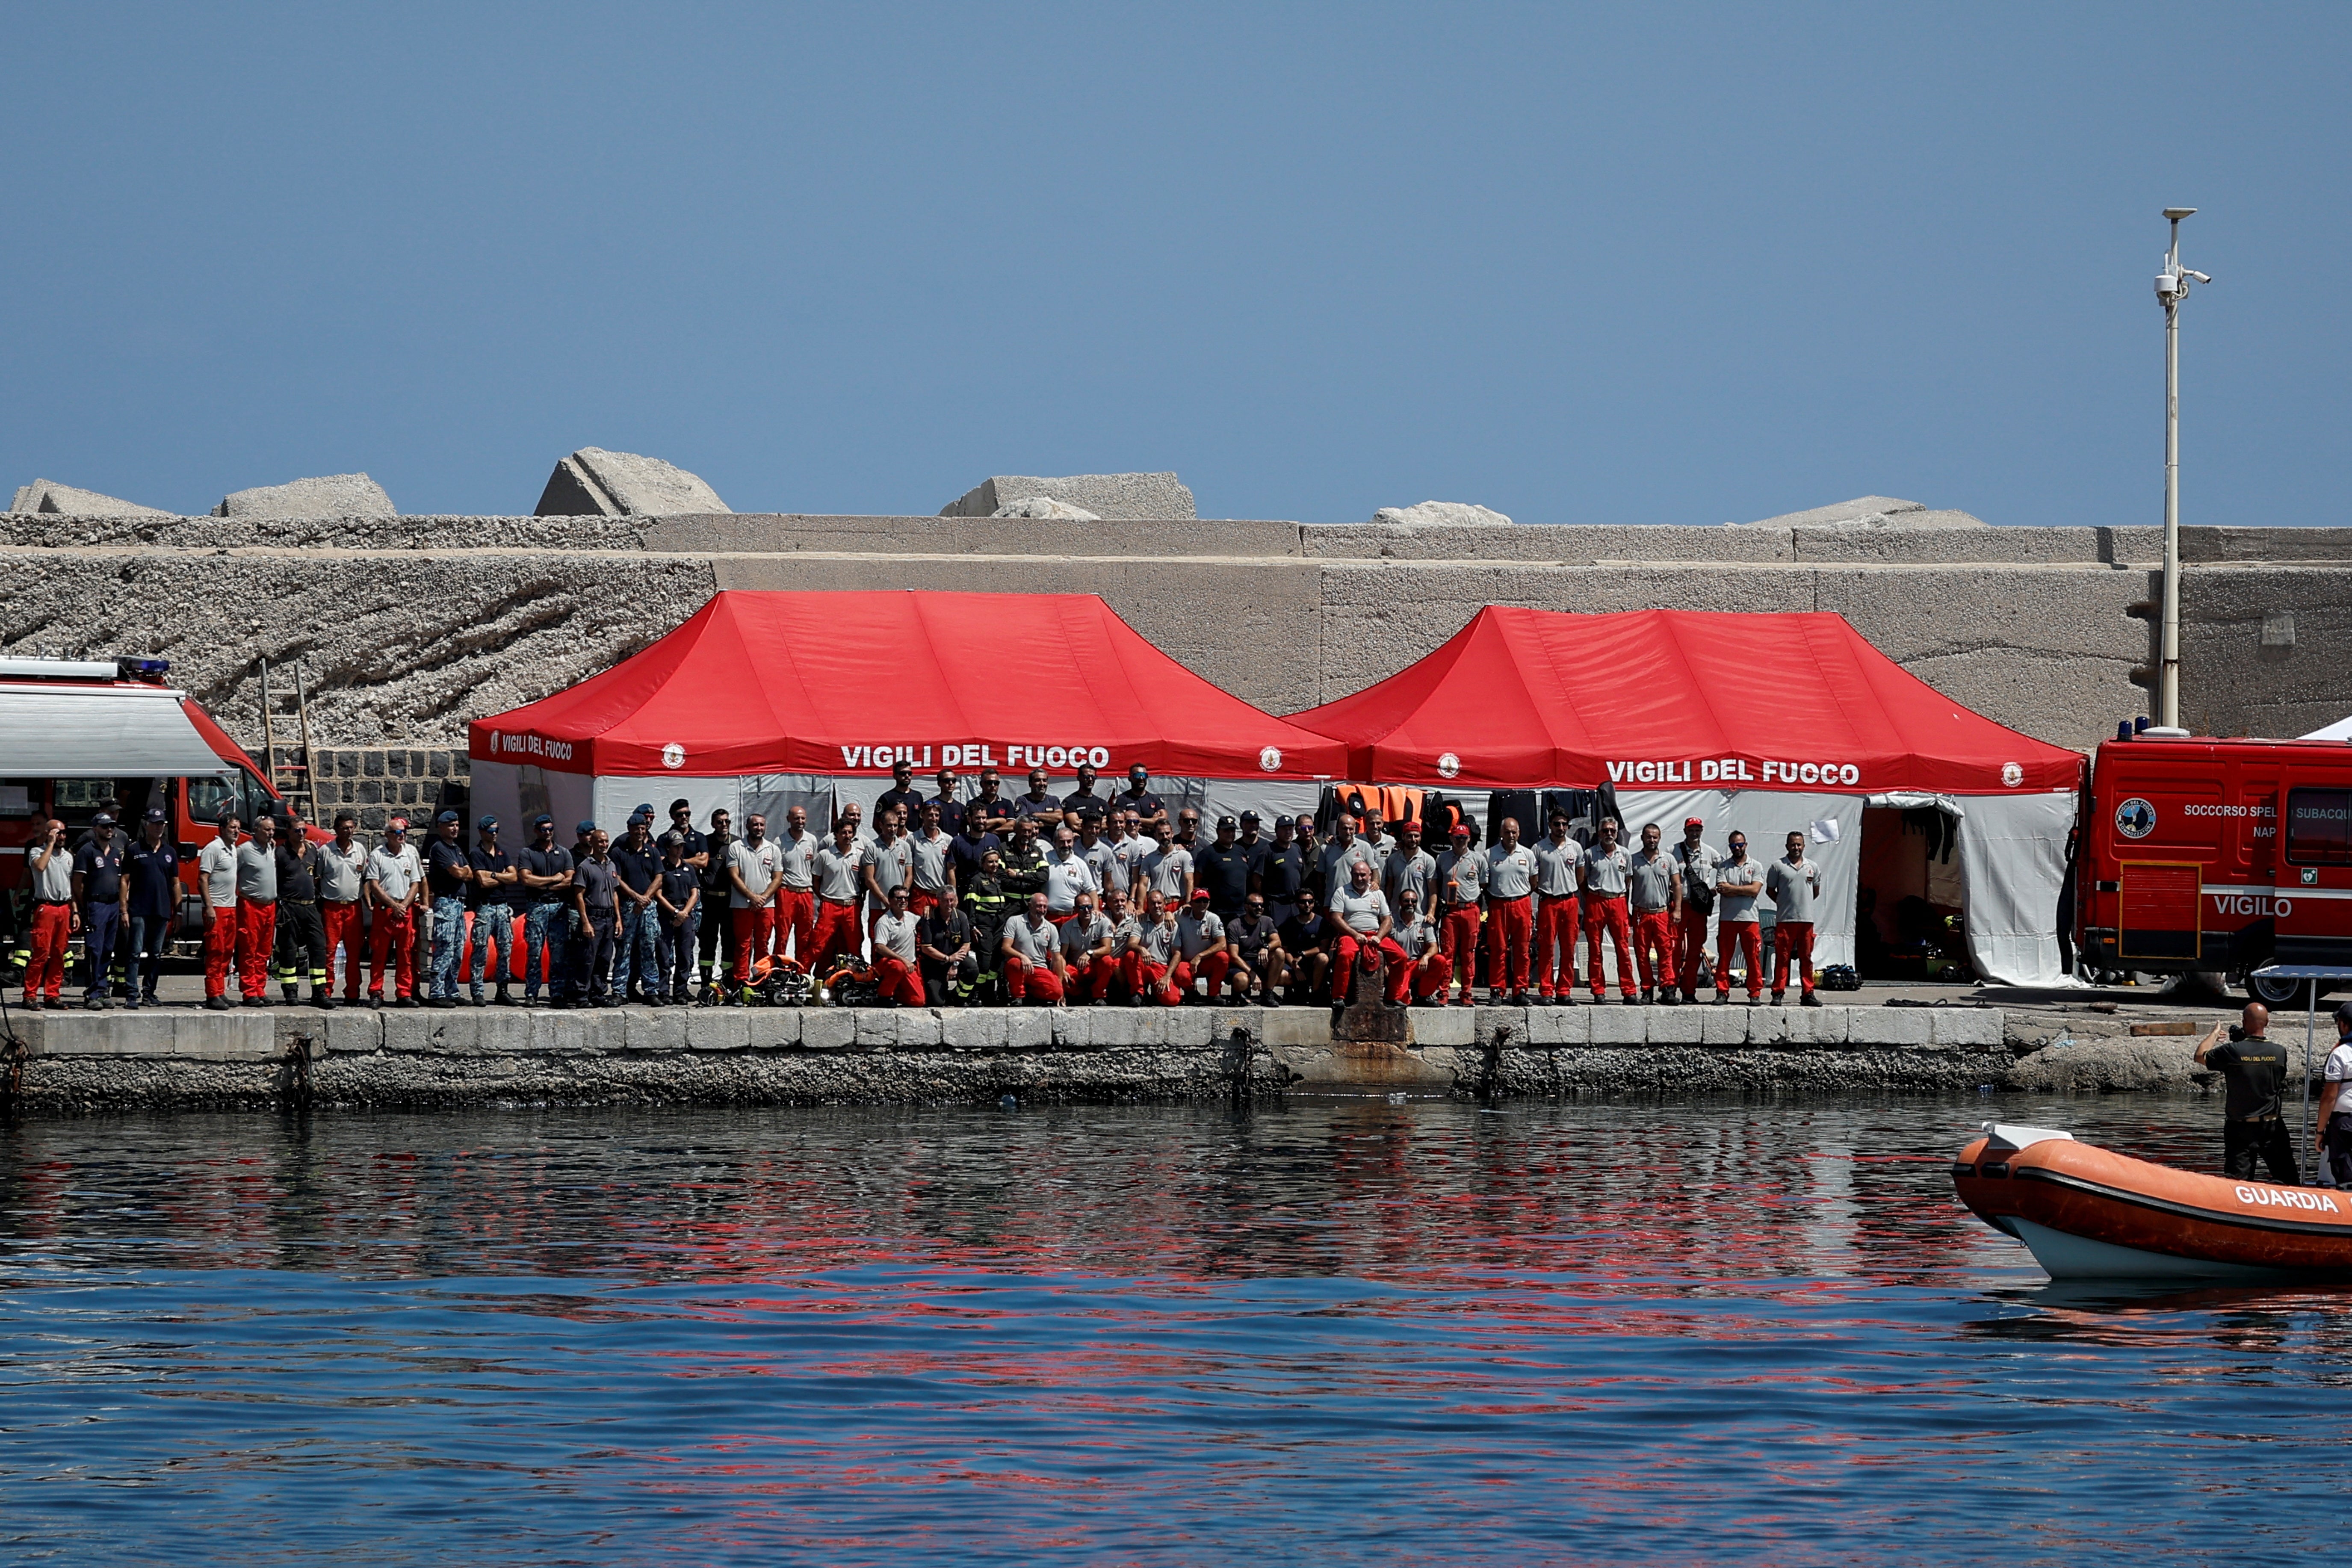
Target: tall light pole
2171,288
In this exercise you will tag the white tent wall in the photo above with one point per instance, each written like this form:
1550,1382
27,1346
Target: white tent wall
2013,863
1767,817
615,796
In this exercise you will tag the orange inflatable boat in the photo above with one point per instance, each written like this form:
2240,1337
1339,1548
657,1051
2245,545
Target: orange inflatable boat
2088,1214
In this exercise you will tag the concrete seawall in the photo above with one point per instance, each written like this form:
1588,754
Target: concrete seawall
164,1057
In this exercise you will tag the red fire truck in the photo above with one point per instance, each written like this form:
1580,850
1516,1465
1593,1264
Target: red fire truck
2221,856
74,732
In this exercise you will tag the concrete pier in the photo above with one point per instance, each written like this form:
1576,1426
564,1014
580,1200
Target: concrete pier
412,1059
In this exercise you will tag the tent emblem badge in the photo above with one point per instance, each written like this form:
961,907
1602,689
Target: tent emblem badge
1270,759
1448,765
672,755
2012,774
2134,818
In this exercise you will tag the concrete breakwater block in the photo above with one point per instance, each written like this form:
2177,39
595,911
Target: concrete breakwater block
160,1034
328,496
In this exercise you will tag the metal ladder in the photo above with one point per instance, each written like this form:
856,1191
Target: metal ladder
291,776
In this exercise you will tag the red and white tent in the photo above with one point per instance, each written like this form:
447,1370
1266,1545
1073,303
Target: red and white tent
763,700
1767,722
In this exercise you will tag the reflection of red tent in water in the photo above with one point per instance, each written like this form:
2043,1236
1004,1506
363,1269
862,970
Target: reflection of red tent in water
1766,723
765,700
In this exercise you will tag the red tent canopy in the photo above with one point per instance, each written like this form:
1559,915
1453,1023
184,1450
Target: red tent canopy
846,683
1536,698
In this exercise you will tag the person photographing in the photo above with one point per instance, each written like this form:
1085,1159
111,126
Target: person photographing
2254,1122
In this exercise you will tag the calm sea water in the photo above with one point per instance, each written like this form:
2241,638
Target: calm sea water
1341,1331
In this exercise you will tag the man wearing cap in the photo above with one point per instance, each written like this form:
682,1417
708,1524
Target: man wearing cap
1602,878
257,910
840,870
1461,887
1511,913
152,906
597,903
1737,883
1556,912
636,939
301,925
677,900
1220,868
97,892
341,872
755,870
902,797
55,917
492,895
393,883
448,875
1696,860
546,870
1792,883
1138,798
1032,955
1656,882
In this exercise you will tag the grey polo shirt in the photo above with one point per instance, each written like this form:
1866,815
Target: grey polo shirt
1653,877
256,873
1792,889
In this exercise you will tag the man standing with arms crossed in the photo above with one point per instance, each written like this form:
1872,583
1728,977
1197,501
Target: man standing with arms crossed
1556,912
495,879
933,875
546,927
257,910
448,875
1792,883
1739,882
754,872
1656,883
301,923
1510,919
1602,878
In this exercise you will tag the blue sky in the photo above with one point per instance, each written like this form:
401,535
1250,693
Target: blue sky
1580,264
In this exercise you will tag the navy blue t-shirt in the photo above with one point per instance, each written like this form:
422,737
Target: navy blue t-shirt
635,867
967,852
154,880
497,862
102,871
442,859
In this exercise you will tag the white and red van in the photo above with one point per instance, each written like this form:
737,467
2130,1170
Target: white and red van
2222,856
74,732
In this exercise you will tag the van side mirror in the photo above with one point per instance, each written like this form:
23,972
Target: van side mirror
187,850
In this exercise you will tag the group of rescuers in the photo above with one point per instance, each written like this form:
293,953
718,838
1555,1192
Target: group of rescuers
2257,1073
1035,899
